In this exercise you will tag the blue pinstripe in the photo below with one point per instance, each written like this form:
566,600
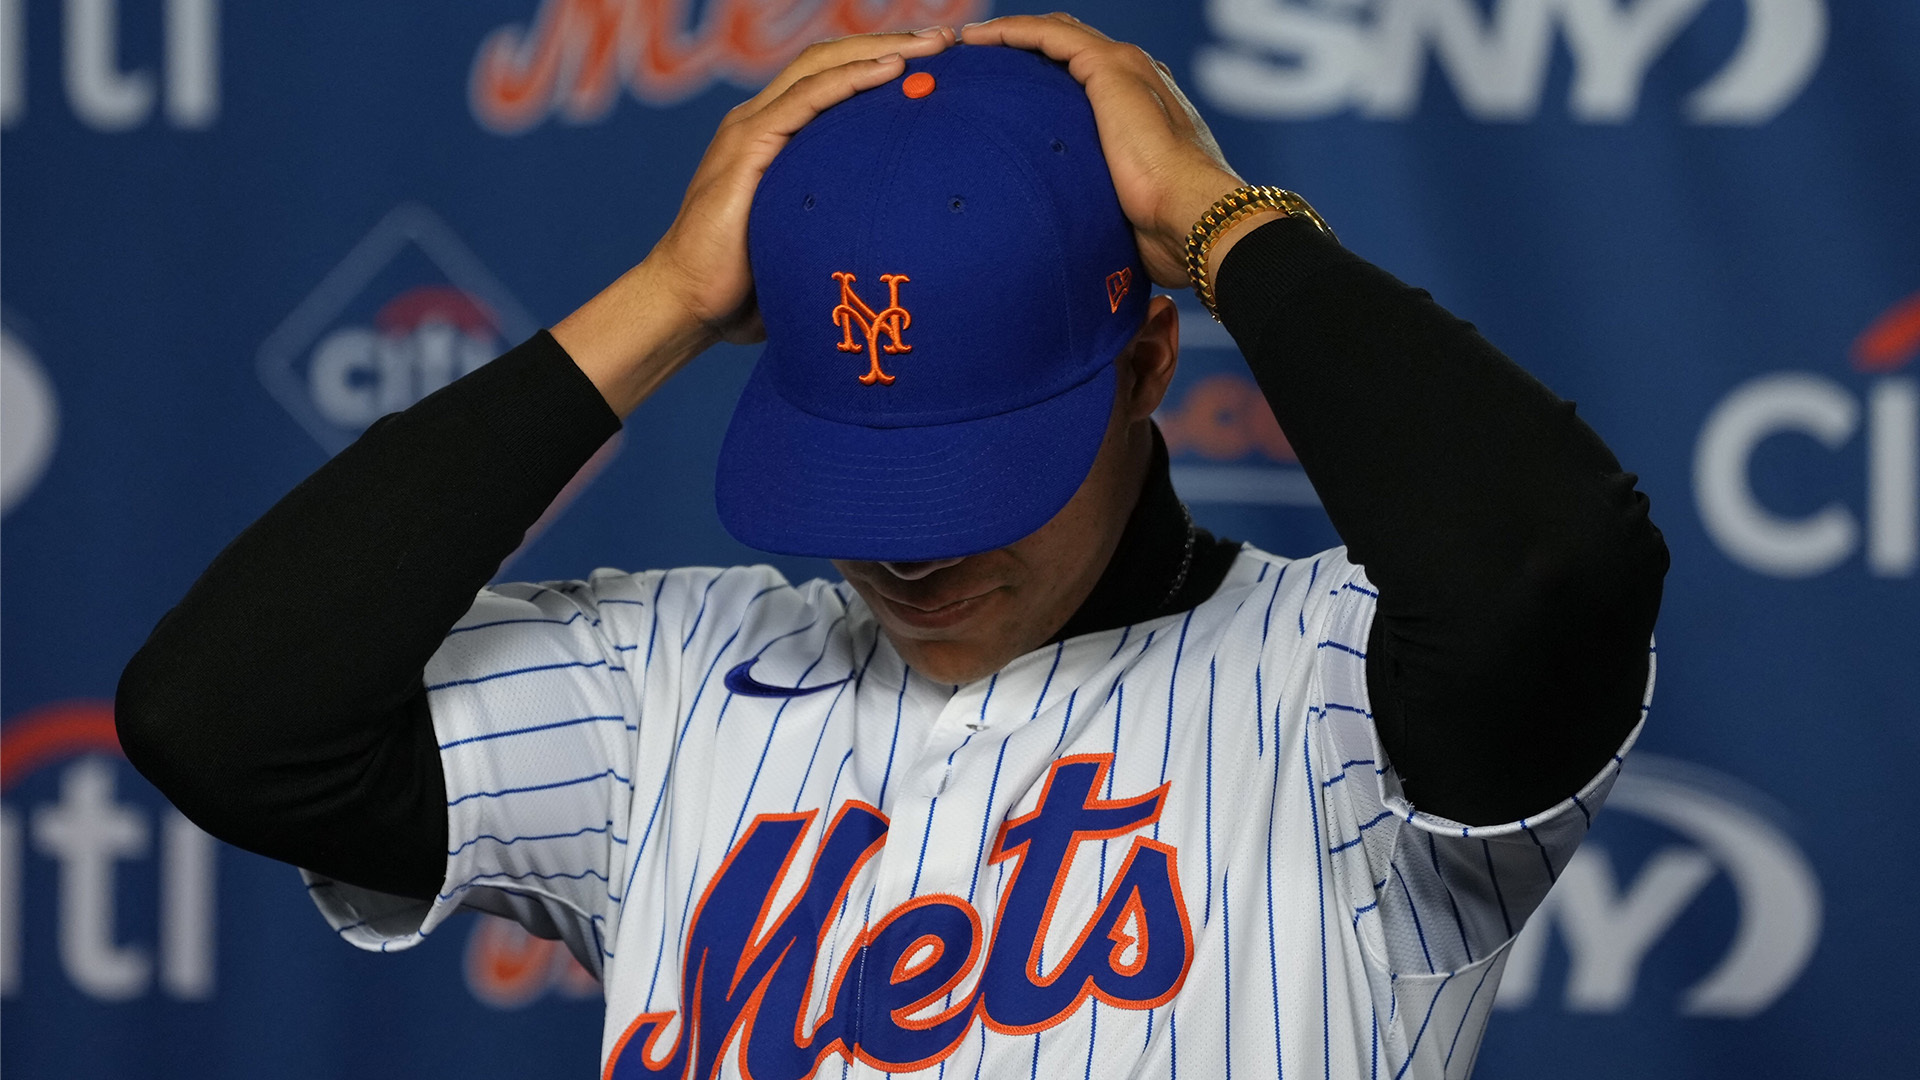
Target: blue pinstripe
899,706
506,842
1119,710
1464,1013
1494,877
826,721
525,671
1423,1028
1320,877
1273,956
1545,861
705,595
1206,918
653,627
1093,1032
932,805
1313,575
569,620
503,792
680,740
581,876
1173,677
660,951
1433,849
837,773
528,730
1373,1019
1066,720
1415,912
653,816
1226,944
986,817
1048,685
774,727
1259,690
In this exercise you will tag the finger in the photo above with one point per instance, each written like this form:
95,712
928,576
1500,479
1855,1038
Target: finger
823,55
1058,36
814,94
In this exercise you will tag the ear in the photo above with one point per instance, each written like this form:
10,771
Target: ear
1151,359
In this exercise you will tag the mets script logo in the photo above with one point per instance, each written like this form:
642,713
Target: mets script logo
573,58
748,975
890,322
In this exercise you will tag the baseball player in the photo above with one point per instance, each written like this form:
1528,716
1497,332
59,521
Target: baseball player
1054,782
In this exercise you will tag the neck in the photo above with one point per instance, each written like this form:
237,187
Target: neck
1162,564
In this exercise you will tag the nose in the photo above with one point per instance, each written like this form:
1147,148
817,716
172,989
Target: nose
914,571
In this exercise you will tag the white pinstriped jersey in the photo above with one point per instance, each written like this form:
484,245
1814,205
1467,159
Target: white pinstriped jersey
1169,849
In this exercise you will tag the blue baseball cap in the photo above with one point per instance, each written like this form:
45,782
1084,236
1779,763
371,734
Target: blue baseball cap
946,277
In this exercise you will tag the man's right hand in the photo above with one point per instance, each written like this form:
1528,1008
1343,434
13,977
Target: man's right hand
696,288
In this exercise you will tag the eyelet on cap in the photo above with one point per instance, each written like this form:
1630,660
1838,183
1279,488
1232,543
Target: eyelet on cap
917,85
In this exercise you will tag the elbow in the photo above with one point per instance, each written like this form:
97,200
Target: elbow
158,718
140,718
1608,562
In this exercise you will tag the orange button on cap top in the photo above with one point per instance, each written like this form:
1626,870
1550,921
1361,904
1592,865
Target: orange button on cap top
917,85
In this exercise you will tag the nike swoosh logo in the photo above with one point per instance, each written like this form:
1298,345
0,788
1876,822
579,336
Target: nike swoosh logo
740,680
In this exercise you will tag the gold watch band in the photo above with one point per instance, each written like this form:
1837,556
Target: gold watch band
1234,206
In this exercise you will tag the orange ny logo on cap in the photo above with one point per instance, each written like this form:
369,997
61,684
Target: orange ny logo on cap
889,322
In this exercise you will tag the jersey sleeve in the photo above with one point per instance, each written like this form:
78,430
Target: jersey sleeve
1433,895
537,700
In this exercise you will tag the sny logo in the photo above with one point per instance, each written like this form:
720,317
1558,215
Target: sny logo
890,321
1307,58
747,979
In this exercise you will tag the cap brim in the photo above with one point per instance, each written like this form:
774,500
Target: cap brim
792,483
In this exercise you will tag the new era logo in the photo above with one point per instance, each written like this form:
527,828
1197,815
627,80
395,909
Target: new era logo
1118,283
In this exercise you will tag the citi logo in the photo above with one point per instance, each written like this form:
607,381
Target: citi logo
29,420
576,56
1782,544
352,353
409,310
1608,931
1308,58
87,835
104,95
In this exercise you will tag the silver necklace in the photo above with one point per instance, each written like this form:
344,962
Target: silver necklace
1186,561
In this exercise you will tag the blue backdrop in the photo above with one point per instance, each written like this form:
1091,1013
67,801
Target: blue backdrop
234,234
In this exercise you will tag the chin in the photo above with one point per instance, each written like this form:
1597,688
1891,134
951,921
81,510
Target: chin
955,662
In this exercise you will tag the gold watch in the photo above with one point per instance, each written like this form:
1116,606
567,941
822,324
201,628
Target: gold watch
1234,206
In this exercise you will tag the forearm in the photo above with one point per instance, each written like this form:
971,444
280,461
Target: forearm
1519,575
280,704
632,337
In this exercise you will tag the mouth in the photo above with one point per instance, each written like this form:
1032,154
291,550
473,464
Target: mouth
937,616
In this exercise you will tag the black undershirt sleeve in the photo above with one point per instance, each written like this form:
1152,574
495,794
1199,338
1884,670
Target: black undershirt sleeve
1518,572
280,704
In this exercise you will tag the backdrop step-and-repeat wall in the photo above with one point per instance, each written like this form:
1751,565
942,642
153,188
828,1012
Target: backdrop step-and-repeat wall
237,233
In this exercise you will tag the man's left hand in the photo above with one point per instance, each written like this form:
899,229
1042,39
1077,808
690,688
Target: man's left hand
1166,167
